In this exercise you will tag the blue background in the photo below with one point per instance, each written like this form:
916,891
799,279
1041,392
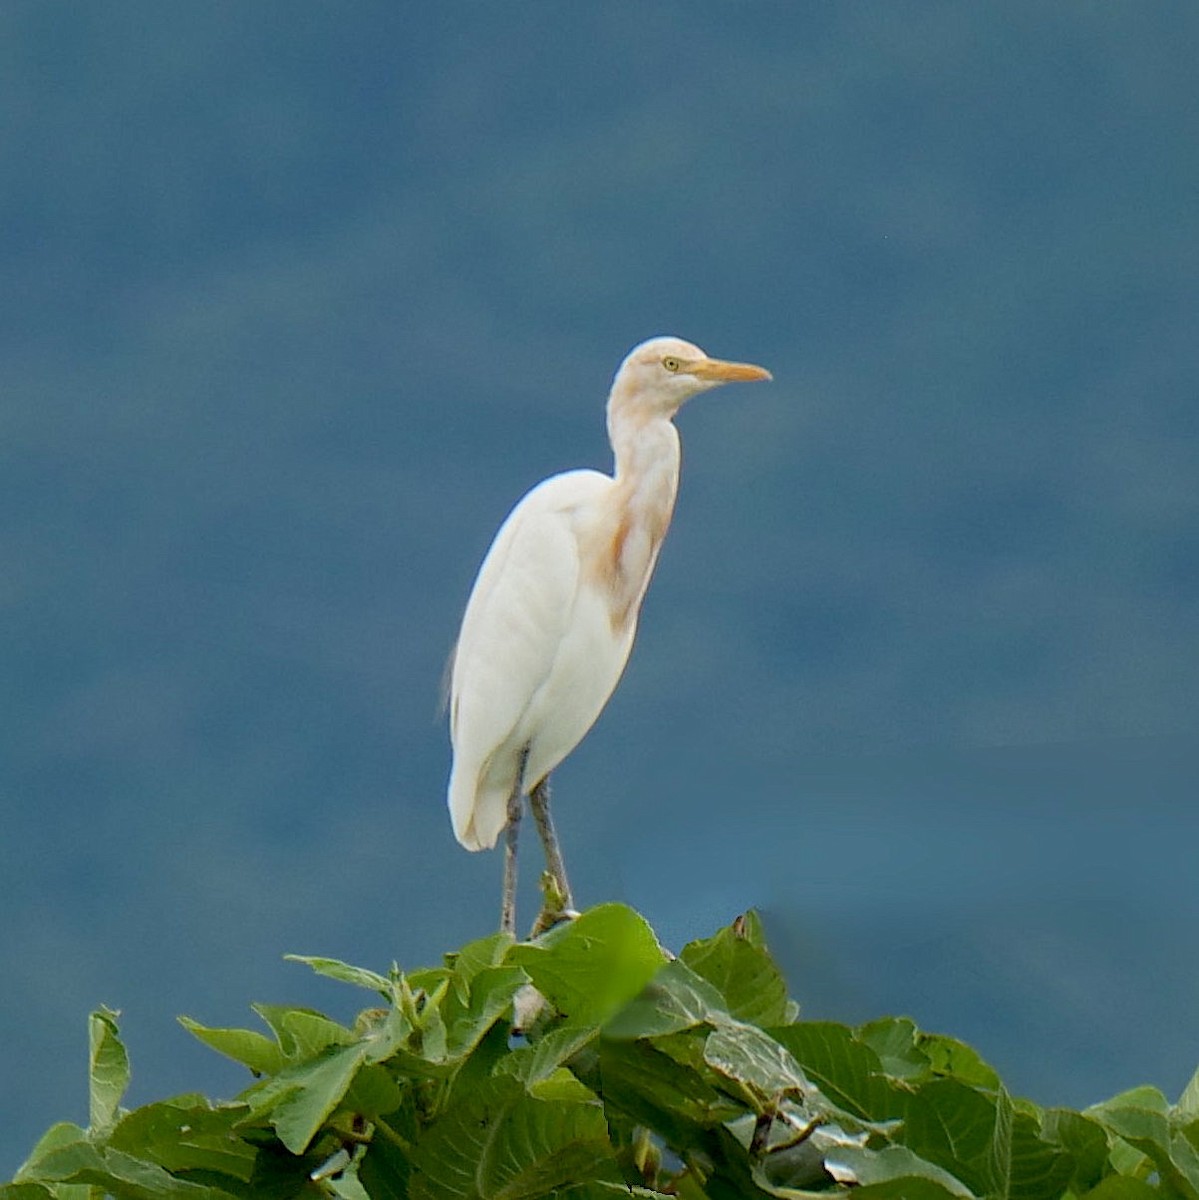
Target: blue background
299,299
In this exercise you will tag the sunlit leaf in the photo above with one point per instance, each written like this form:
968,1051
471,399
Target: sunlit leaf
590,967
676,998
334,968
302,1032
108,1070
740,968
246,1046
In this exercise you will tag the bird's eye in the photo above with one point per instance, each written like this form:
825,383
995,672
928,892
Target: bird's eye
671,363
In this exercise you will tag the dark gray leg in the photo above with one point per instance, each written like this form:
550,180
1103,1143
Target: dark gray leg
539,801
512,829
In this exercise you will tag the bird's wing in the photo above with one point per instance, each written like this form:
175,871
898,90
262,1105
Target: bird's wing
515,620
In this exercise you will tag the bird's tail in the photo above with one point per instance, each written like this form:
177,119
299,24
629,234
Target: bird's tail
478,812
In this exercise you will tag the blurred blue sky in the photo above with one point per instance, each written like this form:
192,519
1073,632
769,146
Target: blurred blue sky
300,298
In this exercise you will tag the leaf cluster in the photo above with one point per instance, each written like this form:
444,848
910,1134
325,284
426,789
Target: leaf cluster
633,1073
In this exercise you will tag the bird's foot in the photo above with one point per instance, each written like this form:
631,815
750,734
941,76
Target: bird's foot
556,906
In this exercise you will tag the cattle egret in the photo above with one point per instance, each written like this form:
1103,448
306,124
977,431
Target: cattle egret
552,615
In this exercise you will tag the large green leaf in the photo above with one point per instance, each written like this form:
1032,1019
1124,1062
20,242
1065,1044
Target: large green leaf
966,1131
187,1136
304,1095
590,967
506,1144
108,1070
741,969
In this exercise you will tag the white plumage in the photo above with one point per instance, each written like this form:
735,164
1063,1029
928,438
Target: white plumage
553,613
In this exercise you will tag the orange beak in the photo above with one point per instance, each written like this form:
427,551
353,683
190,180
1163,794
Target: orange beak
726,372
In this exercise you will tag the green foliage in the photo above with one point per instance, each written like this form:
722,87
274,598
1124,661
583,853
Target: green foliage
637,1074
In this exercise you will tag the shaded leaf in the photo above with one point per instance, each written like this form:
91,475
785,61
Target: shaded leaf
504,1143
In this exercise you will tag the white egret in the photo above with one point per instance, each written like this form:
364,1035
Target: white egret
552,615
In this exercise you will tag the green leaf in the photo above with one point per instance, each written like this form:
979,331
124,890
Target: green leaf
539,1060
948,1056
964,1130
490,993
894,1040
1038,1169
738,965
1188,1103
1123,1187
907,1187
25,1191
55,1138
676,998
384,1170
590,967
1084,1140
848,1071
1148,1130
108,1070
752,1058
308,1093
123,1175
302,1032
475,956
187,1137
246,1046
334,968
503,1144
660,1091
859,1165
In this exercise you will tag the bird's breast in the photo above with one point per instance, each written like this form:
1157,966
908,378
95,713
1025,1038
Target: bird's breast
618,548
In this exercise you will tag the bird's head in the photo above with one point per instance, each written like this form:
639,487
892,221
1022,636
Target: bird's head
659,375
